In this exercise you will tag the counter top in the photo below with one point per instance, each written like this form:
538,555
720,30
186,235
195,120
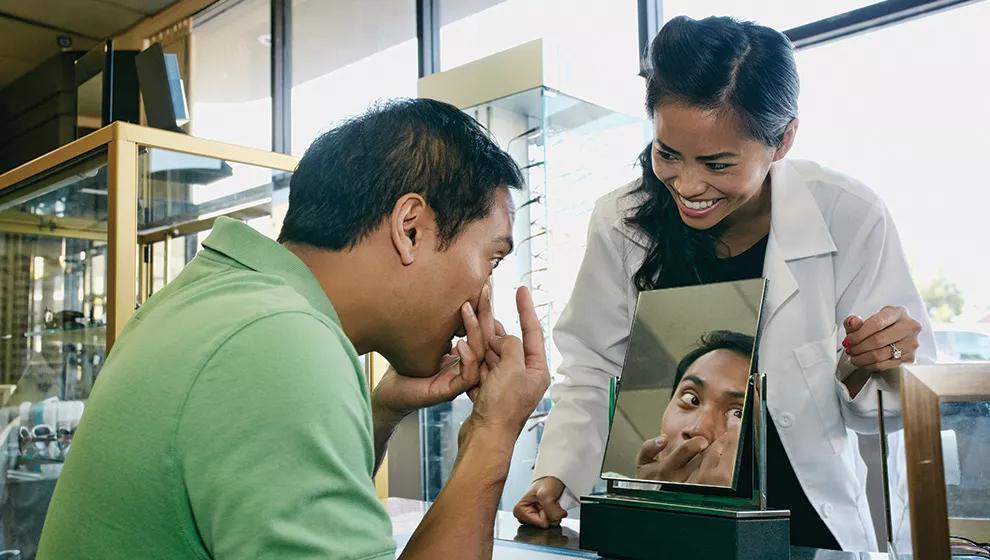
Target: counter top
514,541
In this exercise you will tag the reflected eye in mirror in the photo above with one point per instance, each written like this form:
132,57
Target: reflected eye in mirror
733,418
690,399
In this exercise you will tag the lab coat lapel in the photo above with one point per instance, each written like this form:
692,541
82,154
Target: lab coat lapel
797,231
781,284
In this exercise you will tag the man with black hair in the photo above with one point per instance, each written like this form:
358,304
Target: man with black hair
233,418
699,432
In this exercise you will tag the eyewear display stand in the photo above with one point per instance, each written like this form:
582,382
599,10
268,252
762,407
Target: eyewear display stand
637,518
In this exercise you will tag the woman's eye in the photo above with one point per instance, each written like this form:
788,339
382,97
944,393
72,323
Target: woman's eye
718,166
691,399
666,156
495,262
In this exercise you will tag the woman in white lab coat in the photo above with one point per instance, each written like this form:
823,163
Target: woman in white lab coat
719,201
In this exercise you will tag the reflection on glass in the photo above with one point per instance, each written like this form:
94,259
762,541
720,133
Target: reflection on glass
52,283
966,457
180,195
965,435
53,267
681,403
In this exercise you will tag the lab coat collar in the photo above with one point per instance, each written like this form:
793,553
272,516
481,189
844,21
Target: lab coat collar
796,221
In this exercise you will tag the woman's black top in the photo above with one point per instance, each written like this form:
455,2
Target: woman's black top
783,489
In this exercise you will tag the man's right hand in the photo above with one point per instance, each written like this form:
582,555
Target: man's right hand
660,460
540,505
513,377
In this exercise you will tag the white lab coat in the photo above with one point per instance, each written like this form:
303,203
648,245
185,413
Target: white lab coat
833,251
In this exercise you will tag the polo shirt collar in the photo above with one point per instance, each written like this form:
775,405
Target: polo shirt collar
240,242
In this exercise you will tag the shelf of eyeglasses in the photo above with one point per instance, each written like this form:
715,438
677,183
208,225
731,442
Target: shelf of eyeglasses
95,335
35,460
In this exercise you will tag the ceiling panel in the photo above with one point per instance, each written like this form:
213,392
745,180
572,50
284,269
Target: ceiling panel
86,17
146,7
26,46
31,28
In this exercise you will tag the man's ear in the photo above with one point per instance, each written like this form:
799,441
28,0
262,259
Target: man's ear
788,141
406,225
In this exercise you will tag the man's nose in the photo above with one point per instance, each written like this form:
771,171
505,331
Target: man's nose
706,424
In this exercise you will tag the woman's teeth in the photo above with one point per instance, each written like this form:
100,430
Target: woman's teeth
699,205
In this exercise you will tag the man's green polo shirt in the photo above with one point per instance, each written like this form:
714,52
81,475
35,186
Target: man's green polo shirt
231,421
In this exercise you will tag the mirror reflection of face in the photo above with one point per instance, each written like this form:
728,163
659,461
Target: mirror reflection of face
709,399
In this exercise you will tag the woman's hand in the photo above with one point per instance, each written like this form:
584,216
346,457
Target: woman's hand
540,505
882,342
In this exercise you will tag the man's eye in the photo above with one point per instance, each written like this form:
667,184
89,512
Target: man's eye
691,399
736,413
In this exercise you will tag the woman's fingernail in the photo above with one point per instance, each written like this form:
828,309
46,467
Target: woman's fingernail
845,342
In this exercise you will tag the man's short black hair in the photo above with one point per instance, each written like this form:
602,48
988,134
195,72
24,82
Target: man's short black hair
711,341
349,179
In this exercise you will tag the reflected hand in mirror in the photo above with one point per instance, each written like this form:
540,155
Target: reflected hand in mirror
718,461
699,433
556,536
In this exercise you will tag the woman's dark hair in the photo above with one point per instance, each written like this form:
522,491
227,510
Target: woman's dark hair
713,63
711,341
349,179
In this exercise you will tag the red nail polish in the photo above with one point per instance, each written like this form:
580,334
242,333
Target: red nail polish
845,342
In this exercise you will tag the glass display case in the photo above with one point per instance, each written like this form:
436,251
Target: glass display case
571,153
937,463
89,232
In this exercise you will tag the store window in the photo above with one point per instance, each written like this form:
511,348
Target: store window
230,81
346,55
778,14
593,31
903,109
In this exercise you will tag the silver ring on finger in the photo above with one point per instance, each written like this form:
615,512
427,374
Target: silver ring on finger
895,352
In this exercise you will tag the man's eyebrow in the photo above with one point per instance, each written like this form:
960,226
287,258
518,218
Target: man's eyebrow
507,240
694,379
